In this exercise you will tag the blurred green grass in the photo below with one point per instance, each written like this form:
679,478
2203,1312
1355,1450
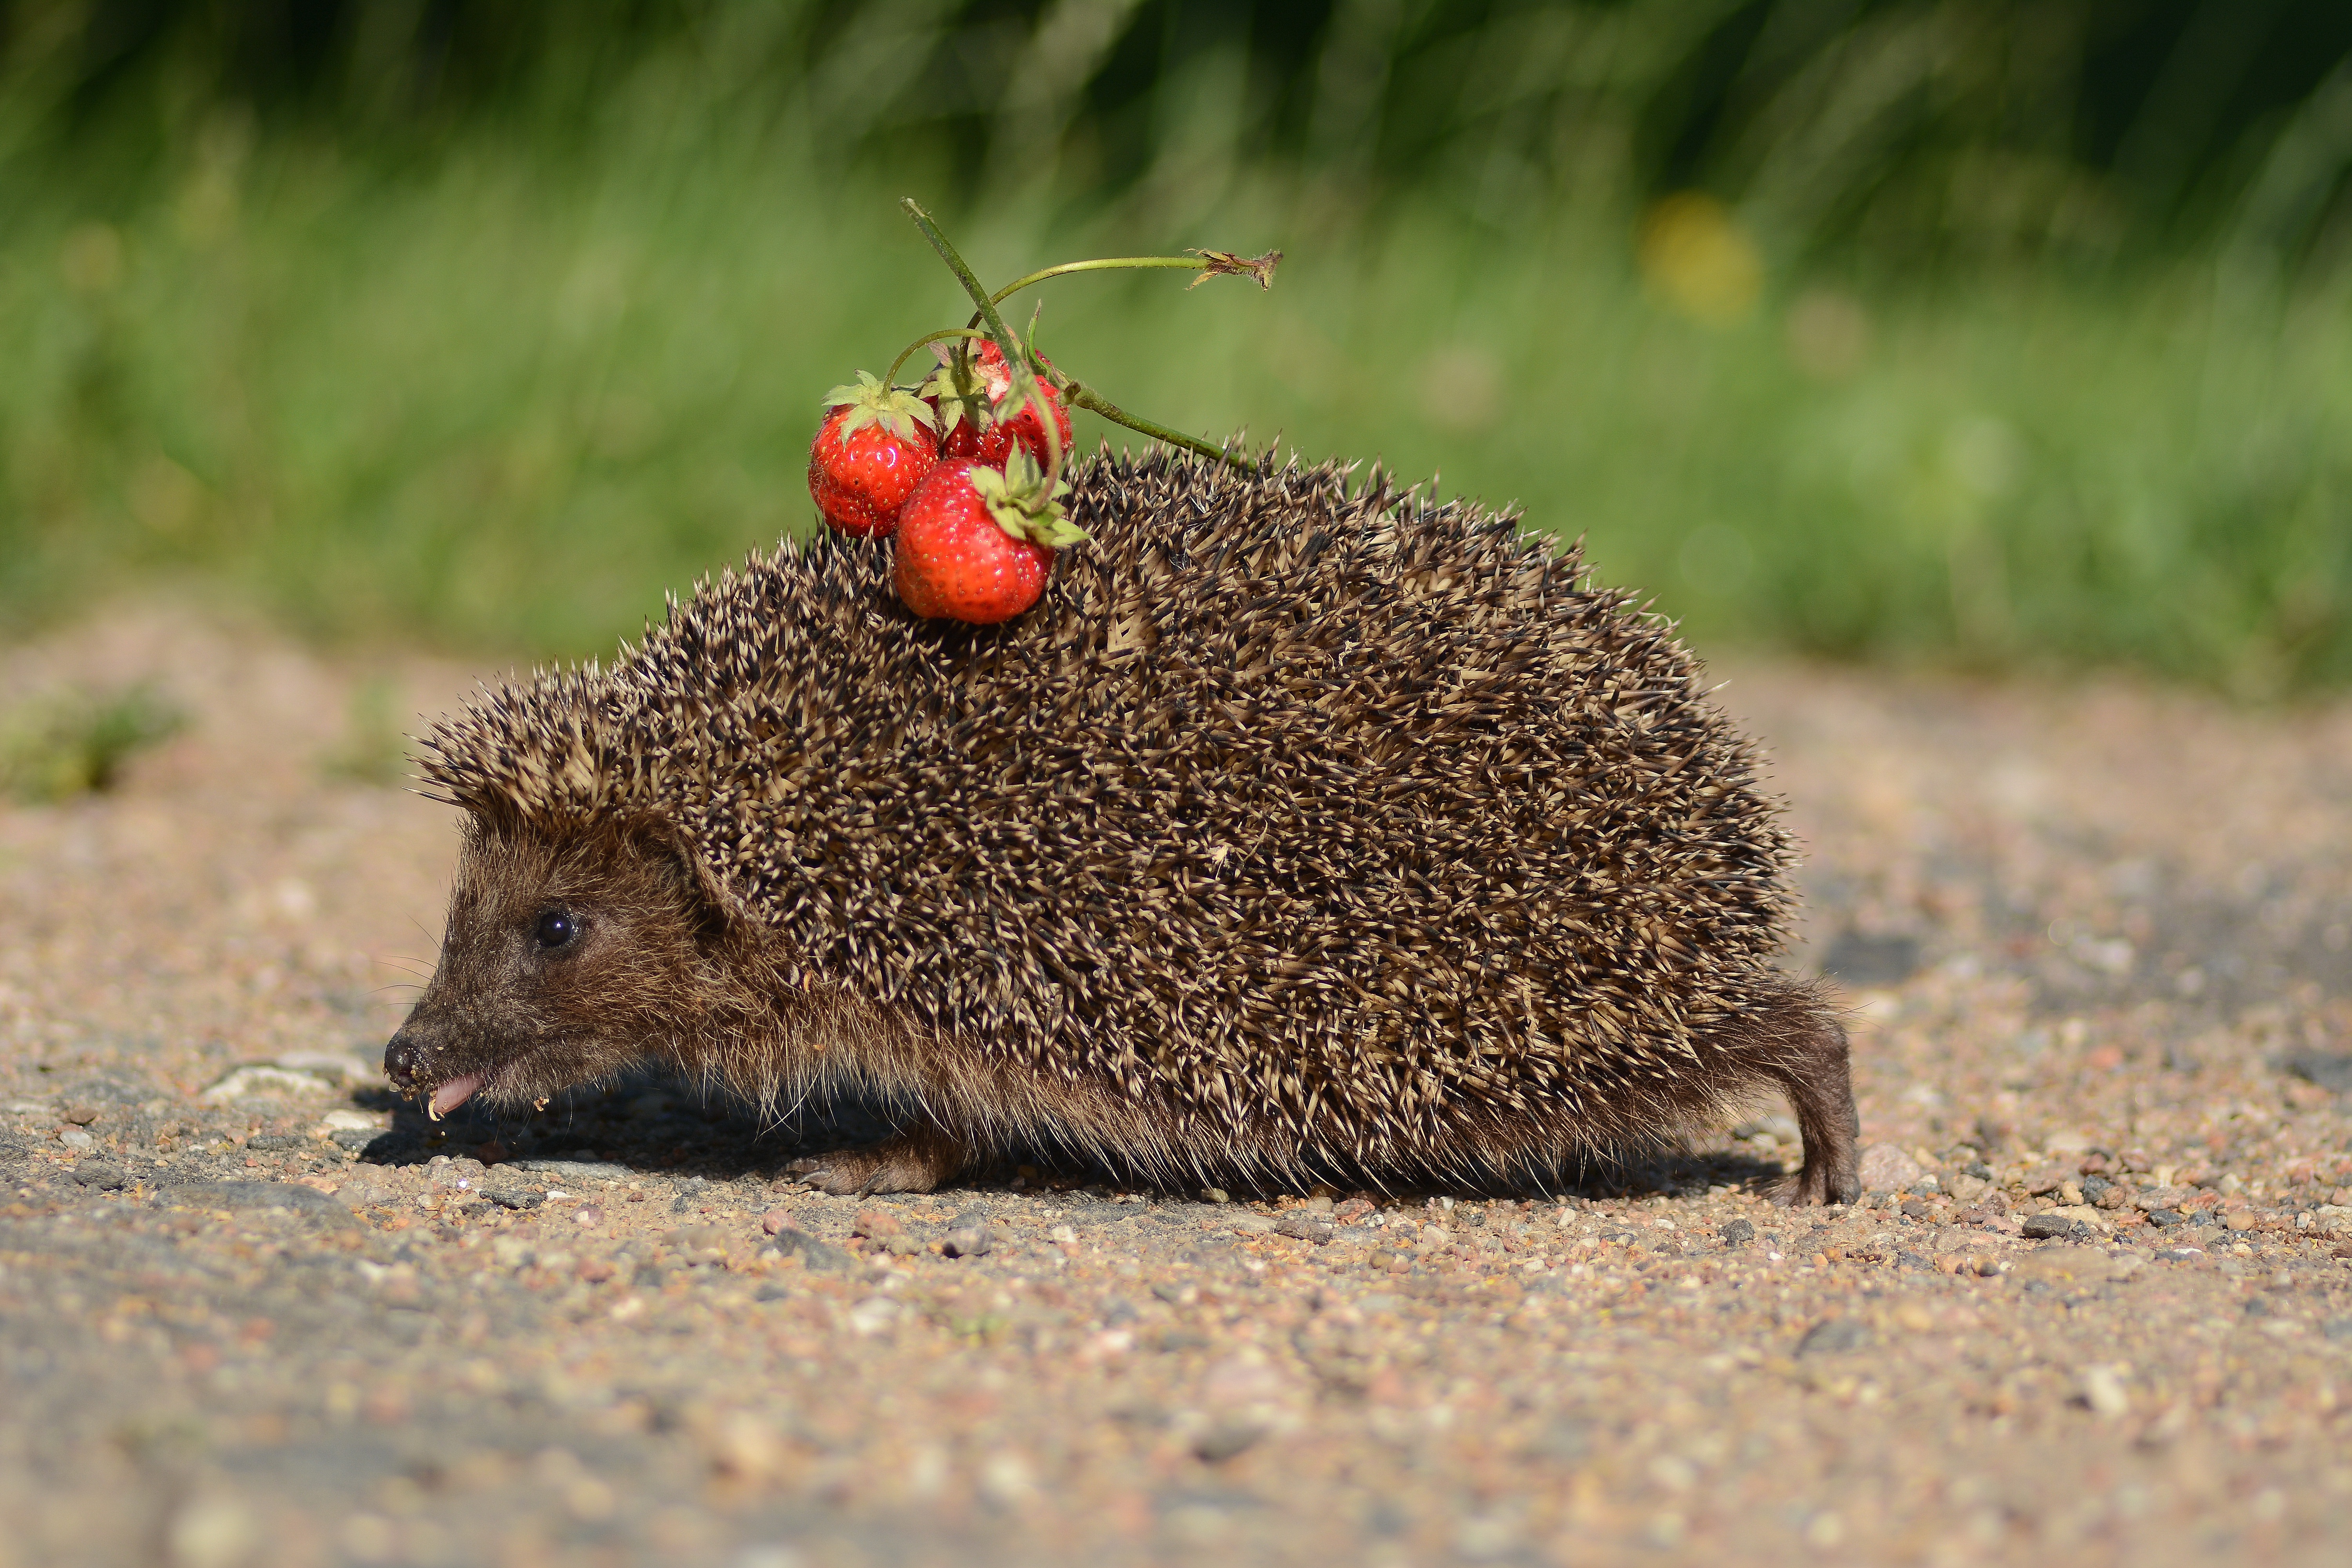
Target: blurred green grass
507,396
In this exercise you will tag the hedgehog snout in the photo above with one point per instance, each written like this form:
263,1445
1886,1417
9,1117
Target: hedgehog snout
416,1057
405,1059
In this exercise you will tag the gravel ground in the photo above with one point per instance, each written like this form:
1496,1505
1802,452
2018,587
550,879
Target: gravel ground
2099,1304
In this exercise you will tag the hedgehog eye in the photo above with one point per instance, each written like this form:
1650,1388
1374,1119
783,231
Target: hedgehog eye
555,928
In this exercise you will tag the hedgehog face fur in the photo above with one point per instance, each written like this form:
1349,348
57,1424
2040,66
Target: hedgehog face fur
1298,829
563,958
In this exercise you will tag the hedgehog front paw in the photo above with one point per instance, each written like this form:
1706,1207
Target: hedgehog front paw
1812,1187
915,1162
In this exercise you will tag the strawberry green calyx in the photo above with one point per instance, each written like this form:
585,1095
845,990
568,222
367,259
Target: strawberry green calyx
929,341
1026,503
962,392
870,402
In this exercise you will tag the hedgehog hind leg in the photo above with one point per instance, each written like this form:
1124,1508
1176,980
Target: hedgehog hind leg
1814,1068
920,1159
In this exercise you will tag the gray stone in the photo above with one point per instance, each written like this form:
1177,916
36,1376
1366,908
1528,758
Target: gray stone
1887,1169
1738,1232
815,1254
2330,1071
2051,1226
968,1240
1564,1439
238,1196
575,1170
1834,1336
1224,1439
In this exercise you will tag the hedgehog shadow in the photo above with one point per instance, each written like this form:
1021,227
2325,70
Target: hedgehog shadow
650,1119
661,1122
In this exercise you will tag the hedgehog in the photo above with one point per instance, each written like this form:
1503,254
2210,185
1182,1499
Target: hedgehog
1309,826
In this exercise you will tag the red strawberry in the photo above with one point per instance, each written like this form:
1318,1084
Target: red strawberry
870,453
977,545
970,399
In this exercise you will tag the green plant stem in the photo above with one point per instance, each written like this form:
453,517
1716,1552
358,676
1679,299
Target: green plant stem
1015,362
1080,395
1106,264
924,341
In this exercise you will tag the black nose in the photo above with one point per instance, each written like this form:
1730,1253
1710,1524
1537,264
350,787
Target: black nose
403,1059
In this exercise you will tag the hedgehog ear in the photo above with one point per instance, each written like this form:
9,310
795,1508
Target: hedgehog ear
665,839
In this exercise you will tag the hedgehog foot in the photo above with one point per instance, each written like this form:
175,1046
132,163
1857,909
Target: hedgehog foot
917,1160
1819,1086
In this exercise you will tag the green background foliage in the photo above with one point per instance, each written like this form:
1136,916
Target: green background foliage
2004,334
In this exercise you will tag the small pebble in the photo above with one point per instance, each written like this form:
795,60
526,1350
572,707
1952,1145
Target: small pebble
697,1238
1887,1169
588,1214
815,1253
1225,1440
1832,1336
2049,1226
2103,1390
775,1222
967,1241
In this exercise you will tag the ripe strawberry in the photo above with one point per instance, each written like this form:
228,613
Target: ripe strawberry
870,453
970,398
977,545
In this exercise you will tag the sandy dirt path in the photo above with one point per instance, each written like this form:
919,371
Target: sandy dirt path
2097,1310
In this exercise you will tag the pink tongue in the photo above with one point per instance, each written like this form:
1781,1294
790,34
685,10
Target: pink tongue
455,1093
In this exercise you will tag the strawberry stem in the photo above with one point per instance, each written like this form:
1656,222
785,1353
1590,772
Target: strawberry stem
1081,396
1107,264
1016,360
926,341
1207,263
